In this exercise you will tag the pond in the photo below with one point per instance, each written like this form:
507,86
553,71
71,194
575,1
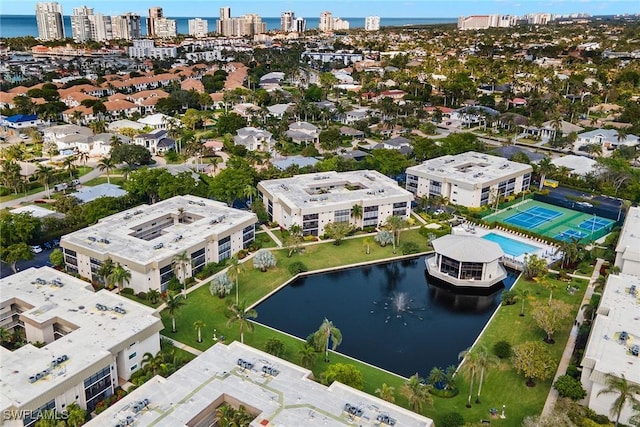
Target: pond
390,315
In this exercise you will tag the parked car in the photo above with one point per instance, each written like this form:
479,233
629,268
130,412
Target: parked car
47,245
36,249
56,242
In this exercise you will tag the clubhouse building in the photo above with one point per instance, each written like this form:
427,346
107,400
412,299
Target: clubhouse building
314,200
92,341
470,179
146,240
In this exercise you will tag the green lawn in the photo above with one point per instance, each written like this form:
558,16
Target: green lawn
265,240
502,386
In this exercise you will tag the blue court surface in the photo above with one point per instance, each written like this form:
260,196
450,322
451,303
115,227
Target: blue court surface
569,234
595,224
533,217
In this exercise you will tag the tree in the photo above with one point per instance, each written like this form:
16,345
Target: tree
549,317
234,274
238,313
416,393
264,260
396,224
10,175
366,242
230,123
522,294
337,231
153,295
69,164
468,368
534,266
220,285
57,258
533,360
16,252
293,239
307,356
344,373
131,154
387,162
151,362
274,346
181,262
625,390
356,213
545,167
44,175
75,415
107,164
384,237
567,386
120,275
173,304
326,335
484,360
104,271
386,392
198,325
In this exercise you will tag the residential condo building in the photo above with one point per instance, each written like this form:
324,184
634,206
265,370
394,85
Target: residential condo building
80,23
49,21
246,25
326,22
155,13
469,179
372,23
126,27
93,341
286,20
273,391
314,200
165,28
198,27
482,22
146,239
146,48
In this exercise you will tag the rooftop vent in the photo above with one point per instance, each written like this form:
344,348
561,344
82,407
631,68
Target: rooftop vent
127,216
370,177
284,187
158,246
91,239
201,204
57,282
138,212
178,238
105,241
139,406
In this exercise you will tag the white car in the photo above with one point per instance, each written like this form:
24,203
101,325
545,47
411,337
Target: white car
36,249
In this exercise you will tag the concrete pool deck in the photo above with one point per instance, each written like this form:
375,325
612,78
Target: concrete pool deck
545,250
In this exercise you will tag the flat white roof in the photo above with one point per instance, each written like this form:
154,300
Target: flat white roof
34,211
629,241
289,398
467,248
54,296
619,311
115,234
326,188
470,168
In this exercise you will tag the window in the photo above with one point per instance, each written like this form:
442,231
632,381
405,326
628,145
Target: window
132,355
310,224
449,266
435,188
248,236
97,387
166,273
342,215
224,248
197,261
32,417
134,367
526,181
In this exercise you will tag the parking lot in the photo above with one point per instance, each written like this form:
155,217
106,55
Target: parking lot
39,260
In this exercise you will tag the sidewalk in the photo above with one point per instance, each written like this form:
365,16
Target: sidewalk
185,347
571,342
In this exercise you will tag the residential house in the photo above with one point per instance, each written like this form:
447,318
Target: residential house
303,133
121,109
550,129
254,139
156,121
245,109
147,99
353,116
353,133
67,137
21,121
156,141
78,115
399,143
279,110
395,94
576,165
607,138
74,99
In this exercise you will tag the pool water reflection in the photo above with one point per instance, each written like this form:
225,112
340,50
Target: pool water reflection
389,314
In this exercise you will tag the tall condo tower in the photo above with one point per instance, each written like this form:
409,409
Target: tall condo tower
49,20
155,13
286,20
326,22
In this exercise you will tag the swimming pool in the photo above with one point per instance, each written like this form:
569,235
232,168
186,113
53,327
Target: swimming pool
511,247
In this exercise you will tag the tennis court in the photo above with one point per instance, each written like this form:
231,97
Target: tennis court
532,217
553,221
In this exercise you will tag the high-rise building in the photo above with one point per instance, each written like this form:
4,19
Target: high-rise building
155,13
286,20
225,13
246,25
165,28
340,24
101,27
198,27
326,22
372,23
481,22
81,23
49,20
126,26
299,25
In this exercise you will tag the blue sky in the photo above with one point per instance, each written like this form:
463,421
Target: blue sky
343,8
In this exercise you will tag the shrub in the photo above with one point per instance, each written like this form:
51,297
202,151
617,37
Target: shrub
409,248
297,267
310,238
508,297
502,349
570,387
572,371
127,291
189,280
452,419
220,285
274,346
263,260
142,295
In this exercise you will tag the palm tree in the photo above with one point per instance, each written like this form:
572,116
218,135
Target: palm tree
120,275
44,175
153,295
327,333
238,313
75,415
234,273
69,165
416,393
625,390
5,335
199,324
250,192
152,362
106,164
180,262
105,269
522,294
83,156
356,212
366,242
173,303
545,167
396,224
386,392
485,360
437,377
307,356
468,369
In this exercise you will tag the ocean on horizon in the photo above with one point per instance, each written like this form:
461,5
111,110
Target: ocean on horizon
25,25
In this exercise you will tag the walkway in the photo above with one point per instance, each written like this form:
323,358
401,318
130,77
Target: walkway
273,236
185,347
571,342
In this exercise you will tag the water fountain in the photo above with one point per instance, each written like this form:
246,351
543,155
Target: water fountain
400,304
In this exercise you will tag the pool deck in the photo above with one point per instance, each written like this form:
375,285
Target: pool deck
545,250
